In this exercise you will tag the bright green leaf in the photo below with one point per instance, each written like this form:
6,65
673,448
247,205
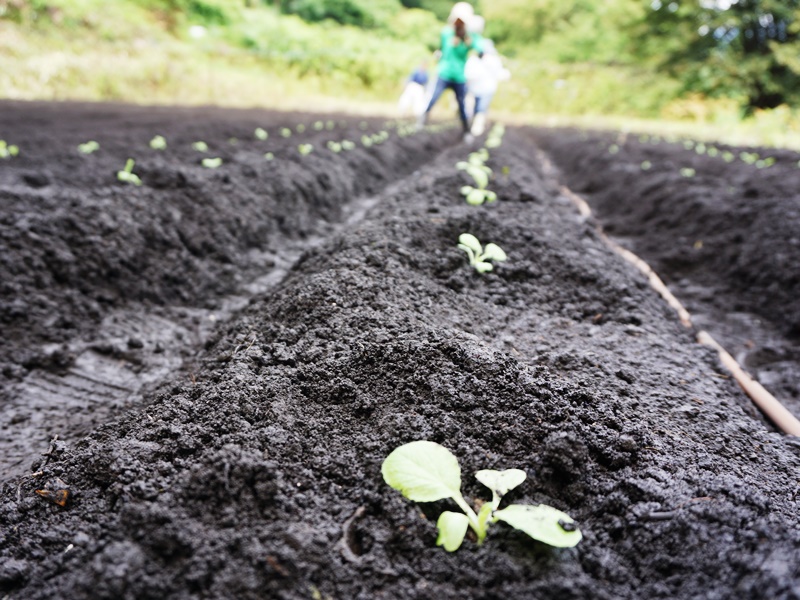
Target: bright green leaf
452,529
494,252
483,267
470,241
423,471
501,482
543,523
476,197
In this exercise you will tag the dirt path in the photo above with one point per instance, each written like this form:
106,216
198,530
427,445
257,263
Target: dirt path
259,476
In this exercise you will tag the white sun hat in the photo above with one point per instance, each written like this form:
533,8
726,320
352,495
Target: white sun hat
476,24
461,11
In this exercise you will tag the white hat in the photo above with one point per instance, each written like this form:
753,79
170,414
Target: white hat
461,11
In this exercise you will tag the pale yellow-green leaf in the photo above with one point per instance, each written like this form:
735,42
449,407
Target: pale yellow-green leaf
541,522
470,241
452,529
494,252
501,482
423,471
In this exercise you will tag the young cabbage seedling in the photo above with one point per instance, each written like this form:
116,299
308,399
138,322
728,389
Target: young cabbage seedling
8,150
319,126
348,145
200,146
269,156
127,175
478,194
159,142
211,163
261,133
334,147
286,132
366,141
88,147
301,128
478,255
426,472
305,149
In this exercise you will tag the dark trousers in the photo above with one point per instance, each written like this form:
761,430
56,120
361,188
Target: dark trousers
460,90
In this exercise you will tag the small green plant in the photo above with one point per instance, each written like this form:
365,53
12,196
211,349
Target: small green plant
260,133
646,165
286,132
728,156
348,145
269,156
366,141
478,255
300,128
713,151
159,142
305,149
88,147
688,172
334,147
211,163
749,157
329,125
127,175
200,146
613,149
495,137
765,163
8,150
475,168
688,144
426,472
319,126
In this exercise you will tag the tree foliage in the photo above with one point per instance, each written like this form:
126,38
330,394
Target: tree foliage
745,49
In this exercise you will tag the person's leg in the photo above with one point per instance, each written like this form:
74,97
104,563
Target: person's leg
479,120
461,92
441,85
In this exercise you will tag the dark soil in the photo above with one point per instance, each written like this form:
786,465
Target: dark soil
249,465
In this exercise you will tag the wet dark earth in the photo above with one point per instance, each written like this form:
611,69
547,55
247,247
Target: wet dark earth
215,363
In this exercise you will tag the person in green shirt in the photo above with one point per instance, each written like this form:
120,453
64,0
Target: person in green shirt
456,43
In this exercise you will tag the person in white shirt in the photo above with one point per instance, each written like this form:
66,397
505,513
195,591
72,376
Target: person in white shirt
483,76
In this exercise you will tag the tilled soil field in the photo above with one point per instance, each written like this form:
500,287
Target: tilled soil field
216,363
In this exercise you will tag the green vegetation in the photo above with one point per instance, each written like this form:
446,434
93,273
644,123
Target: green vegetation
88,147
706,62
305,149
211,163
127,175
200,146
426,472
478,255
159,142
8,150
480,173
261,134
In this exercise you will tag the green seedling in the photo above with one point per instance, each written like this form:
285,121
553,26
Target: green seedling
127,175
366,141
506,170
260,133
211,163
688,144
478,194
688,172
305,149
88,147
700,148
426,472
329,125
334,147
613,149
200,146
348,145
286,132
269,156
478,255
646,165
319,126
749,157
765,163
301,128
159,142
728,157
8,150
713,152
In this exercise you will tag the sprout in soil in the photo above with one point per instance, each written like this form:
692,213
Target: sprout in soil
749,157
261,133
728,156
127,175
211,163
319,126
613,149
88,147
700,148
688,172
334,147
301,128
329,125
305,149
159,142
495,137
646,165
478,255
286,132
713,152
478,194
366,141
426,472
8,150
765,163
269,156
200,146
348,145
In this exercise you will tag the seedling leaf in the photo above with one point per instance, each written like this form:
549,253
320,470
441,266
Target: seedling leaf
200,146
494,252
452,529
423,471
475,197
483,267
211,163
471,242
261,133
543,523
465,190
159,142
501,482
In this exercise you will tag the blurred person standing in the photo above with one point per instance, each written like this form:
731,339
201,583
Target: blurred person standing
456,43
483,75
